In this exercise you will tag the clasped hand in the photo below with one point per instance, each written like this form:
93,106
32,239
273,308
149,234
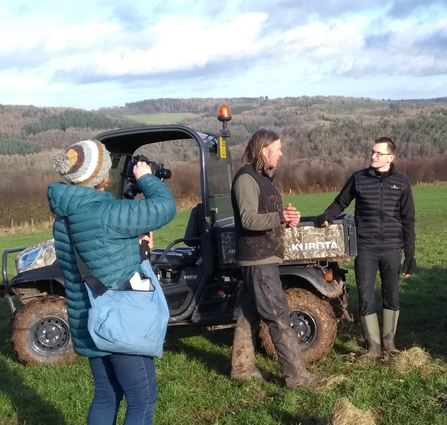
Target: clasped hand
290,216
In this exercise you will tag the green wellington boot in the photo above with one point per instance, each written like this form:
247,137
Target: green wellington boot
390,318
371,332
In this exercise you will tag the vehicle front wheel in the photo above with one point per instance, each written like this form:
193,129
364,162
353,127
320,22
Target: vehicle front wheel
314,322
40,333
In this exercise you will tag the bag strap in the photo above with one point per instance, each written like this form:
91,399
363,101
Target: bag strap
92,281
145,252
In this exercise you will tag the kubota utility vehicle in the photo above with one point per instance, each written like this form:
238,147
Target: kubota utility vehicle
198,271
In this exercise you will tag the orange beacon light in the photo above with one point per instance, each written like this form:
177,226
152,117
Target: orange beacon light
224,113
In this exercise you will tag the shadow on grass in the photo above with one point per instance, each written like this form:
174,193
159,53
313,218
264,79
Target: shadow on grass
220,363
286,418
223,339
422,319
423,313
31,408
422,323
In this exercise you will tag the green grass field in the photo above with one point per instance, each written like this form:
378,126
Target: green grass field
160,118
193,375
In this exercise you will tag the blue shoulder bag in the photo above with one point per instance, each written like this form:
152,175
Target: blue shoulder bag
126,321
129,321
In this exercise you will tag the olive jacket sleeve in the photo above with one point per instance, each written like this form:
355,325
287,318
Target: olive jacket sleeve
246,192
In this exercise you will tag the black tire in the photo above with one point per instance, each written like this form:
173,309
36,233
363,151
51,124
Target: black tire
40,333
315,324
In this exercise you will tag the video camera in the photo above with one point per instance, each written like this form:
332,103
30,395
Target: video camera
157,169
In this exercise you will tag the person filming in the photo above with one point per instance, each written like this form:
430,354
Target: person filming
106,234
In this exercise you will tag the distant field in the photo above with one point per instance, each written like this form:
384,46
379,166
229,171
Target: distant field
160,118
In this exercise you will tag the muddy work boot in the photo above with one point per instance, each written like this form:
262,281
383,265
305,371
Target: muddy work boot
371,332
390,318
243,356
291,360
305,380
251,374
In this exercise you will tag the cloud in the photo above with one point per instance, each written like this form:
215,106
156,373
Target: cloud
434,43
130,18
378,41
401,9
181,48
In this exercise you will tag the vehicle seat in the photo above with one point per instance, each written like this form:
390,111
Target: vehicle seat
180,257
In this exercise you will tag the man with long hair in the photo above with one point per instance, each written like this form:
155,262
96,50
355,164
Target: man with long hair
259,220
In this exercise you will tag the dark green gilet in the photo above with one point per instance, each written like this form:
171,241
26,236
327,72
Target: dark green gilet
258,245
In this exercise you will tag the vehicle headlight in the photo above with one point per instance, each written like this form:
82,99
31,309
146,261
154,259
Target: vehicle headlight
27,259
36,256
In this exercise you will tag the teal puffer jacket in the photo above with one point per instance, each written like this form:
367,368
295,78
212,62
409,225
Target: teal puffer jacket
105,231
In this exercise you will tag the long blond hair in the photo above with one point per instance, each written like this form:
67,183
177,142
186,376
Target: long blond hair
253,152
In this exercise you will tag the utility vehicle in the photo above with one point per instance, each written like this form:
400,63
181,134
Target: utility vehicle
198,271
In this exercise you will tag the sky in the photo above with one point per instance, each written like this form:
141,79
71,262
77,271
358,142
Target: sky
91,54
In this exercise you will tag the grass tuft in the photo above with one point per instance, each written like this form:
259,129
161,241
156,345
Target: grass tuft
408,360
345,413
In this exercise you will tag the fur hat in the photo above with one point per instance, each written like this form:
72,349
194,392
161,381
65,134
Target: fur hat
84,163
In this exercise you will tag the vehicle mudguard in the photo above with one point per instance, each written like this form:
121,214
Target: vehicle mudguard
51,272
315,277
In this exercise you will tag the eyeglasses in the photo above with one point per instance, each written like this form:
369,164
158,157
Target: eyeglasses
378,154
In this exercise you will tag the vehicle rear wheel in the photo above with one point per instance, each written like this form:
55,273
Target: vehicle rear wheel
314,322
40,333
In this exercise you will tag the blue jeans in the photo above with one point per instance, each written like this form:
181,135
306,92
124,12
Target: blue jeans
119,375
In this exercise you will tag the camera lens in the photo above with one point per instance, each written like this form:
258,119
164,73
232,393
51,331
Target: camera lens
163,173
130,192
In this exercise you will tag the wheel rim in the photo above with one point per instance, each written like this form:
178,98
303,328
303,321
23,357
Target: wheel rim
50,334
305,327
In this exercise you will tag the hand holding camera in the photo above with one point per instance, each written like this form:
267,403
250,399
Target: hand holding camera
140,169
139,166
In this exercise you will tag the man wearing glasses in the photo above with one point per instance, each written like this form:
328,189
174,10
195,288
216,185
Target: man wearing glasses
384,211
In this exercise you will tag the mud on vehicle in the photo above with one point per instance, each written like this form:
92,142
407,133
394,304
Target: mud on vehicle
198,272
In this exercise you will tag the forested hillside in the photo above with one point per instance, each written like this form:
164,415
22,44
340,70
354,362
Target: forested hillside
324,138
327,128
30,129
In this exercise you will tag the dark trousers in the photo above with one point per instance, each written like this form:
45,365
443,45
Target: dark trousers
367,263
263,297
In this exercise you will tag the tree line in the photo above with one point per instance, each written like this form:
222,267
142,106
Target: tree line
25,181
76,119
12,145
